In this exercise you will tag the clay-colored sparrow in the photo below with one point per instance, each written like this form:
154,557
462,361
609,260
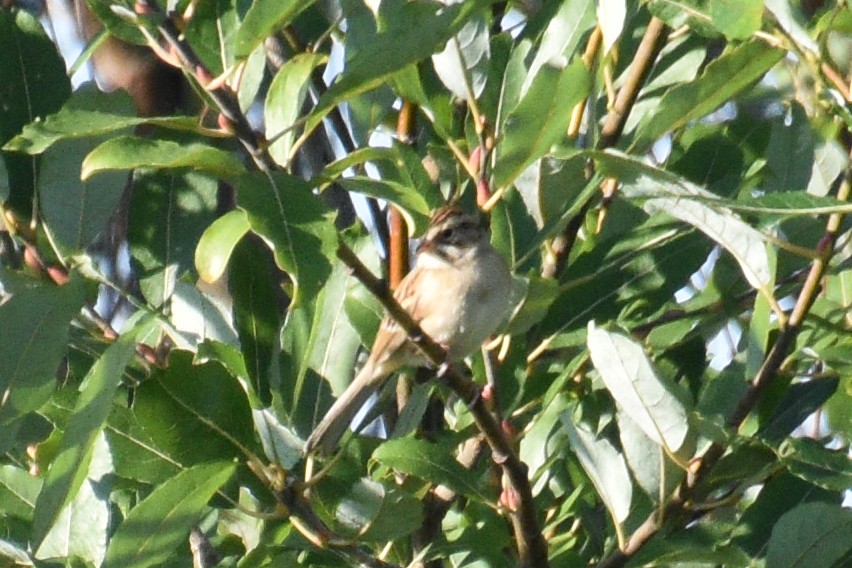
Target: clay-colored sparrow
459,292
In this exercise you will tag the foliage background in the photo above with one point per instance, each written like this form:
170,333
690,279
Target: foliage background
155,417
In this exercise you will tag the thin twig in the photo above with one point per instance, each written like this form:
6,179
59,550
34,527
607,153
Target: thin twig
646,55
767,373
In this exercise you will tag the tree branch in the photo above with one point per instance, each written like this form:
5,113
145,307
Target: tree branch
765,375
532,547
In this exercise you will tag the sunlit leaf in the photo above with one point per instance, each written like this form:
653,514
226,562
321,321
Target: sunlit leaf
640,393
130,152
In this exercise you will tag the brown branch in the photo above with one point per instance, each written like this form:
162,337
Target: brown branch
646,55
768,371
532,547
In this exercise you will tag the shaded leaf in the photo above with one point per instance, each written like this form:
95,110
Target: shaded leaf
723,79
431,462
262,19
281,445
811,535
30,356
252,282
376,513
89,112
33,84
161,522
81,529
813,462
69,468
800,401
604,465
394,48
204,402
76,211
540,119
18,492
284,102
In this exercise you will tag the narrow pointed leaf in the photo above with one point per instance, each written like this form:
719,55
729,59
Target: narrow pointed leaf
540,119
154,529
604,465
724,78
632,381
69,468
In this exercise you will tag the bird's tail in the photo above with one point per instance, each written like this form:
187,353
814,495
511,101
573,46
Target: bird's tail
327,434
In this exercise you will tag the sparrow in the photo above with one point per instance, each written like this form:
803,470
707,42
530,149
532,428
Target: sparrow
459,292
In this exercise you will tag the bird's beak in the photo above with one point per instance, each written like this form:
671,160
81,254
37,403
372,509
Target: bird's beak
425,246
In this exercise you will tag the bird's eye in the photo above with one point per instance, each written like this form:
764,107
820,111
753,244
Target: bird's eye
446,234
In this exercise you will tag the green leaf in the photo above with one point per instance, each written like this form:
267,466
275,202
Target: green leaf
33,84
252,283
262,19
131,152
394,48
563,33
217,243
646,459
76,211
790,203
81,530
284,103
70,467
668,193
31,355
169,210
540,119
781,493
724,79
549,183
538,295
800,401
18,492
283,211
813,535
89,113
378,514
813,462
135,454
412,205
604,465
431,462
464,61
157,526
737,19
204,402
212,33
334,342
281,445
640,393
